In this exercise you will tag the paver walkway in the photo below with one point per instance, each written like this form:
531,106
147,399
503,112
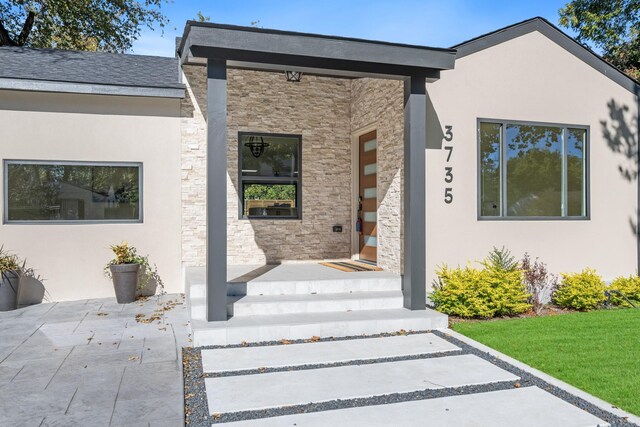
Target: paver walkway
414,379
92,363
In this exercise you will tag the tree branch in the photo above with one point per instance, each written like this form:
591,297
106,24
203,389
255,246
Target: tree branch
26,29
5,38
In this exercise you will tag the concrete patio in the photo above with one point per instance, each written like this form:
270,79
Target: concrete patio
93,363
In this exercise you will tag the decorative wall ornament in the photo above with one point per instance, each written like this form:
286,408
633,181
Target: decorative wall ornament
257,145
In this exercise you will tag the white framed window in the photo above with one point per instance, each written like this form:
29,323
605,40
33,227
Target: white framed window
532,170
72,192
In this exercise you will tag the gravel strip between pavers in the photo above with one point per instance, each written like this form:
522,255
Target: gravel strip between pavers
197,410
532,380
333,364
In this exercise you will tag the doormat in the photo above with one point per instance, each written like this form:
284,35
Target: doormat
351,266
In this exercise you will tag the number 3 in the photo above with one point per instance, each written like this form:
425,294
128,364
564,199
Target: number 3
448,175
448,195
448,134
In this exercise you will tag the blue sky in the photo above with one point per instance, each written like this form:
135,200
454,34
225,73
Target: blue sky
426,22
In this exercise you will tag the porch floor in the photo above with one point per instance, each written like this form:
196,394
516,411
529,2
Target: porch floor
303,271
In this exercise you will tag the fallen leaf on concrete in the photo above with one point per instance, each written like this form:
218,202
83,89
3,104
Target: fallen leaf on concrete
132,358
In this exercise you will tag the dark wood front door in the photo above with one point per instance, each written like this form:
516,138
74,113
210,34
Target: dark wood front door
368,197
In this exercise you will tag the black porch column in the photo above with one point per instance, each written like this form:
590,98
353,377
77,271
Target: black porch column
414,214
216,190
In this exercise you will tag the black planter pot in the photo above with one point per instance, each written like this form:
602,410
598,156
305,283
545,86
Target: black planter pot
9,284
125,281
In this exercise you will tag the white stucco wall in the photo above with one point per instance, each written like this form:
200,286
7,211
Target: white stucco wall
70,257
529,78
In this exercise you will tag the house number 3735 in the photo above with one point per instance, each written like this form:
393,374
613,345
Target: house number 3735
448,169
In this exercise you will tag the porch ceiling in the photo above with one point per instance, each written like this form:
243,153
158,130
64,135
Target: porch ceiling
272,50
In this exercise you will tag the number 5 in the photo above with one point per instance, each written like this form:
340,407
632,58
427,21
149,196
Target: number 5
448,134
448,195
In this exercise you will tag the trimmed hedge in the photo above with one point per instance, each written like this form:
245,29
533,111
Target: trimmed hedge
580,291
629,287
480,293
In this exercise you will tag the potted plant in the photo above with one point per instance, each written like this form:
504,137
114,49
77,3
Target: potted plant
9,280
148,280
30,288
131,274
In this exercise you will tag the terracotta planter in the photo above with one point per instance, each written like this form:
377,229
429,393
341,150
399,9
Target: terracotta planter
147,285
9,285
125,281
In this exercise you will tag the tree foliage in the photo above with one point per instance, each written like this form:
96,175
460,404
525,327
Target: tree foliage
612,25
534,165
270,192
95,25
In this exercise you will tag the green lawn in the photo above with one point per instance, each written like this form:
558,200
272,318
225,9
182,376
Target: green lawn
598,352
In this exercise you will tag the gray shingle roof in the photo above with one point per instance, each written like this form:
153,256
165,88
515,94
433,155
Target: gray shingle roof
89,67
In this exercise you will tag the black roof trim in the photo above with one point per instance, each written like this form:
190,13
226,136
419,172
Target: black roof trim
556,35
251,47
192,23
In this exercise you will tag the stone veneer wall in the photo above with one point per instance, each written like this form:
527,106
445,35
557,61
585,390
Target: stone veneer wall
381,102
316,108
194,166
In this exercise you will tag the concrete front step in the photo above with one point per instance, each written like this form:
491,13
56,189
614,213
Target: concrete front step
320,286
255,305
306,325
303,287
196,290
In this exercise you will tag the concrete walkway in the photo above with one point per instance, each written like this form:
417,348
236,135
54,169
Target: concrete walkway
93,363
415,379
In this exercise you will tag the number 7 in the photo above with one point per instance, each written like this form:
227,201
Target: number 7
450,150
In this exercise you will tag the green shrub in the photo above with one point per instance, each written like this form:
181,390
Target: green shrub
629,287
501,259
580,291
480,293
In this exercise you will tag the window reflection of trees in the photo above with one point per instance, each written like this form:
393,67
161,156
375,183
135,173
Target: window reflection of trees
37,191
279,159
534,170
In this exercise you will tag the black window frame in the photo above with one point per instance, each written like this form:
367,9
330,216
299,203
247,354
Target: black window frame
503,172
242,180
5,191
